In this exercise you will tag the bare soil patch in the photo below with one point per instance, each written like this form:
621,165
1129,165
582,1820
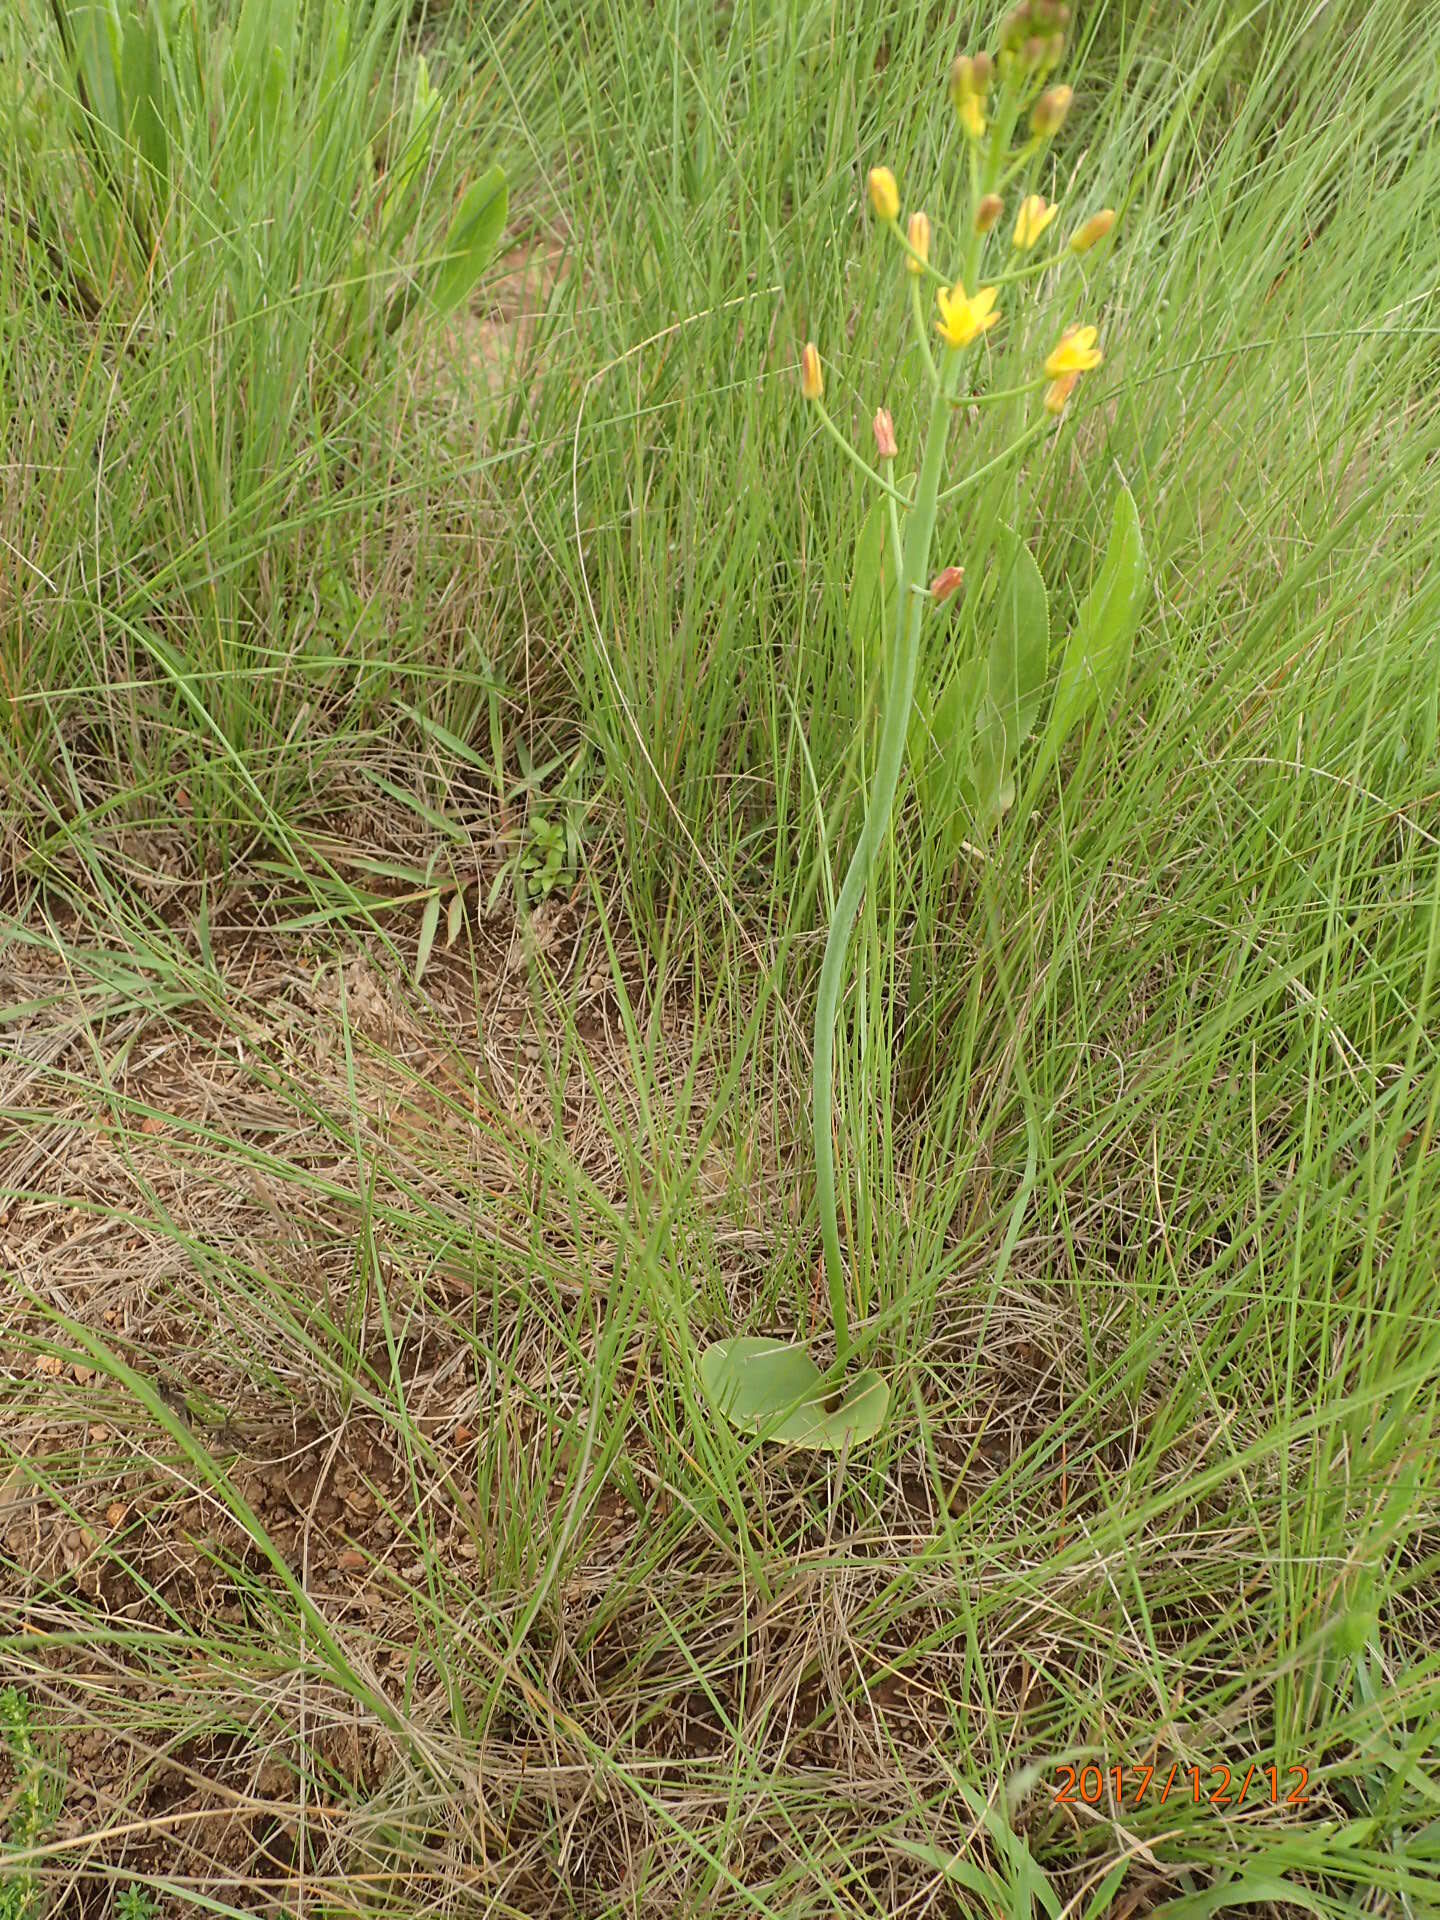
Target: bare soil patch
329,1590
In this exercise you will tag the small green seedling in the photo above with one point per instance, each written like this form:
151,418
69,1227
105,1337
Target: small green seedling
135,1903
31,1803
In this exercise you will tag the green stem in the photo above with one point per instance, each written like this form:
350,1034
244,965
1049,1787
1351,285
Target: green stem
1033,267
917,313
1000,393
976,474
922,265
858,459
899,698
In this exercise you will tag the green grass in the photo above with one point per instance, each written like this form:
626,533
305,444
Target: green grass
283,641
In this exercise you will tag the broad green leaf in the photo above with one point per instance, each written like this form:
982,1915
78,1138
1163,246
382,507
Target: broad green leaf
994,788
1025,1874
92,32
471,243
263,55
142,81
940,739
409,169
1020,646
768,1386
1097,655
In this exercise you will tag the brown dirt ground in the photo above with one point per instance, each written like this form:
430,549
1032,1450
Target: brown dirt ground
197,1172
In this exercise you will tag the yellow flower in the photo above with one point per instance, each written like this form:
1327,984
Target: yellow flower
962,319
972,116
884,194
1059,391
1093,231
812,377
1034,217
919,242
1076,352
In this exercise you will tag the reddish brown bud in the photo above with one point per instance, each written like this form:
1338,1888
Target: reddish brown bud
884,434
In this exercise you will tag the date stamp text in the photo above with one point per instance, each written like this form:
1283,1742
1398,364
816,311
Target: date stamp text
1217,1786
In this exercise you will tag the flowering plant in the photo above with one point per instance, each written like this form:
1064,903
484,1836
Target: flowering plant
1009,111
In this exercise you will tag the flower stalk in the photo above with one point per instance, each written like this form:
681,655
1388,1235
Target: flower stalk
899,698
994,671
967,311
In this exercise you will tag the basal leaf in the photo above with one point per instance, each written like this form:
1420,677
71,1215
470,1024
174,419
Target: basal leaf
1020,646
993,787
771,1387
471,243
1097,655
142,79
940,739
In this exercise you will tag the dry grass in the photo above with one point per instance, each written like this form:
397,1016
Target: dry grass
314,1591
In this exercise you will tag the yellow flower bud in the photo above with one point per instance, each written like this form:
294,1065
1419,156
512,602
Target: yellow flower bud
1093,231
1047,116
919,242
884,194
884,428
988,212
969,83
962,80
812,377
1034,217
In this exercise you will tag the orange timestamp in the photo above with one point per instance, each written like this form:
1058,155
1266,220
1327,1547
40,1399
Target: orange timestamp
1130,1786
